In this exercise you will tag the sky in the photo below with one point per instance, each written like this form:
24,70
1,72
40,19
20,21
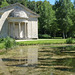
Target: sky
51,1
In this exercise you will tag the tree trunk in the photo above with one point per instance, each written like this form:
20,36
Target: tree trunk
63,35
66,35
54,34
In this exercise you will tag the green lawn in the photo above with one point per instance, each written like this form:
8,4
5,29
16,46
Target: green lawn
43,41
38,42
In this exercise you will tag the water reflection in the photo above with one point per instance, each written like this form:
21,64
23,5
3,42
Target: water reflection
26,57
39,60
33,55
3,68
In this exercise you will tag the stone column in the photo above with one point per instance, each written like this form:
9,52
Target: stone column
13,29
19,29
9,29
25,30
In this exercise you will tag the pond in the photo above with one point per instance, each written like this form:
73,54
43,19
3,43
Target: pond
38,60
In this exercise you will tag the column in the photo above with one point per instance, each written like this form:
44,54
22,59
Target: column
25,30
13,30
19,29
9,29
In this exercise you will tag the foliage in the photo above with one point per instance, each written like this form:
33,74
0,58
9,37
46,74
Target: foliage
9,43
69,41
46,17
44,36
57,37
32,5
1,40
63,11
4,3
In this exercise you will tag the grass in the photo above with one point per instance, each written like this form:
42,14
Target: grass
42,41
39,42
2,45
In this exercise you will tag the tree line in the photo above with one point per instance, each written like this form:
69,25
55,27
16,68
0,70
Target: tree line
56,20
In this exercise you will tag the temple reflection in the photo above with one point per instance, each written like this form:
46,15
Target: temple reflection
31,56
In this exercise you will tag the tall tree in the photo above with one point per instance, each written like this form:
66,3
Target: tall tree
63,13
72,29
46,17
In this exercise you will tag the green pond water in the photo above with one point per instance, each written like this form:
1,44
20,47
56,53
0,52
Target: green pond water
38,60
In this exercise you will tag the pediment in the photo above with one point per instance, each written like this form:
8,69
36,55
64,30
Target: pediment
19,11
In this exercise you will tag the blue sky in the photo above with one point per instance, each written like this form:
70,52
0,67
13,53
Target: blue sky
51,1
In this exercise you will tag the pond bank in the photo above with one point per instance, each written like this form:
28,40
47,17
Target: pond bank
3,50
41,42
37,42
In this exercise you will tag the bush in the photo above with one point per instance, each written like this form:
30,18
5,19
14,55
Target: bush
40,35
57,38
44,36
9,43
69,41
73,35
1,40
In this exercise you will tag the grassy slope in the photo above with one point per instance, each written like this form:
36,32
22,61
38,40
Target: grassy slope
43,41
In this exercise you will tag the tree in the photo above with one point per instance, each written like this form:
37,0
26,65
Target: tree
32,5
38,5
1,2
12,1
4,3
46,17
74,3
72,28
63,13
24,2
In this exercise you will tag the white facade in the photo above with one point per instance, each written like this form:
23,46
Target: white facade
18,22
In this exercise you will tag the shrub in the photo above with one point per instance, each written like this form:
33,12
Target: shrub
1,40
40,35
44,36
9,43
69,41
73,35
57,38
